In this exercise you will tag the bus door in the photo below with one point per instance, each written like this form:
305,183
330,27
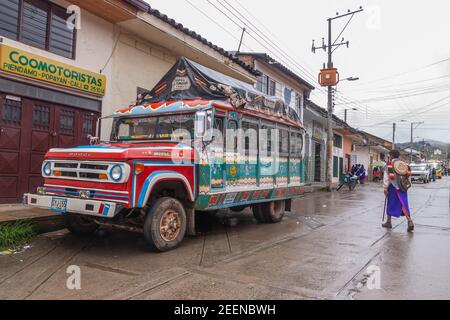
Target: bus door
267,151
249,169
232,158
282,172
217,154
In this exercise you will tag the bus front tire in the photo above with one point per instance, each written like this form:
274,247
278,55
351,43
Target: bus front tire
165,224
79,224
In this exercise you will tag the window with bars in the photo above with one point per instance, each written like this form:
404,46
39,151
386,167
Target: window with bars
67,121
88,124
41,117
39,23
12,112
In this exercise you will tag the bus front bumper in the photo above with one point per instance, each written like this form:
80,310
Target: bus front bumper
105,209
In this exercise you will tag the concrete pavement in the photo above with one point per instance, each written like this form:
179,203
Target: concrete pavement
319,251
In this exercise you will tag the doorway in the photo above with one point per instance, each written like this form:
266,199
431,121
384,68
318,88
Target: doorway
317,162
28,129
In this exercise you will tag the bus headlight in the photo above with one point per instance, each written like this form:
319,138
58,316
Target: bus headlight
47,169
116,173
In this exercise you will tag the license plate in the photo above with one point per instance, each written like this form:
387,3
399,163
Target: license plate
59,204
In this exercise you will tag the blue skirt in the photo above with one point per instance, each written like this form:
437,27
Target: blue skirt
397,202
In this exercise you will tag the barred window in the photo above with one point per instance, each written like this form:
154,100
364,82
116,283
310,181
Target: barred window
67,121
88,124
41,117
12,112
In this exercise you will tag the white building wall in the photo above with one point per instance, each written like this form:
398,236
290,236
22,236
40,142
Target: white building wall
283,82
338,152
127,61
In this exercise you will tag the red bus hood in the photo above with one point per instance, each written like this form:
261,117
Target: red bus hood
125,151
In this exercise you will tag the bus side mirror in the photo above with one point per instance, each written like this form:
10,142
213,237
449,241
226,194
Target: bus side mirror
200,124
203,124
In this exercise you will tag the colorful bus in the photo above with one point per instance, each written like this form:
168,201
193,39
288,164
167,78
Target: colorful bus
199,141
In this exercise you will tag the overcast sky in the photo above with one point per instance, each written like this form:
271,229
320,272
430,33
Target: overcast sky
398,49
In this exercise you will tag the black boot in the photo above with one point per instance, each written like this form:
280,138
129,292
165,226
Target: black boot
410,226
387,225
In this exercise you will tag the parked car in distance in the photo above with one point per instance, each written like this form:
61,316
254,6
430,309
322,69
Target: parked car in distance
420,172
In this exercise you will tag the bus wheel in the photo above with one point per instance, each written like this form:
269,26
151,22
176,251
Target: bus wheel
79,224
257,213
273,212
238,208
165,224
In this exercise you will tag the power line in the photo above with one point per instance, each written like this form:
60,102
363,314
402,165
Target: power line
417,113
216,23
406,72
275,47
259,34
431,90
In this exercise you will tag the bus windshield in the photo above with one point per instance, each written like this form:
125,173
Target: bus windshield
164,127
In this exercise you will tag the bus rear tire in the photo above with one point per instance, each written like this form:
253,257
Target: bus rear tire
269,212
257,213
165,224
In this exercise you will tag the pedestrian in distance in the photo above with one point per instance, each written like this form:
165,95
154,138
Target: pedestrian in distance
396,183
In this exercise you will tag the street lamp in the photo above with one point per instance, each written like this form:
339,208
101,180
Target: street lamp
350,79
345,113
354,109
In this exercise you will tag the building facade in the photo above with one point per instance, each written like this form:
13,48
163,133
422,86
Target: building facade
278,80
64,64
344,140
370,150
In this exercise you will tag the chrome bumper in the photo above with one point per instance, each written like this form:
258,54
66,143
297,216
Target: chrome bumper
105,209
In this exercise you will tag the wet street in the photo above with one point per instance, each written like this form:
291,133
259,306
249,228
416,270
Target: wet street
321,250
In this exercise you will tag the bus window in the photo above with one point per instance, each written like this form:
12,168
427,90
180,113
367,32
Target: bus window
232,136
293,143
266,138
218,132
250,132
300,144
283,142
296,144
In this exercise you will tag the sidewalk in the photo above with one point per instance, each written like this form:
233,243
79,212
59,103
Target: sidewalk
45,220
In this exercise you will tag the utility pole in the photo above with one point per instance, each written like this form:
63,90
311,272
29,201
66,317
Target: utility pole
393,136
412,140
410,148
329,48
